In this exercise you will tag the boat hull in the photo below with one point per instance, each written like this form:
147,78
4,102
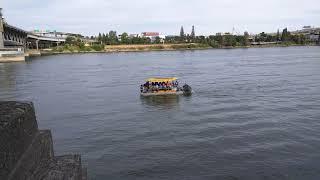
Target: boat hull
162,93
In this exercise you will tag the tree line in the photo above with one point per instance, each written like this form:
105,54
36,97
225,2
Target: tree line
218,40
112,38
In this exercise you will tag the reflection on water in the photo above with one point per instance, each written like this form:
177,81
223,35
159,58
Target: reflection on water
7,77
163,102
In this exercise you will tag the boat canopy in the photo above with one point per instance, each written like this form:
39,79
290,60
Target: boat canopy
162,79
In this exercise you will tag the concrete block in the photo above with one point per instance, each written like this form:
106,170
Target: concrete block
27,153
18,127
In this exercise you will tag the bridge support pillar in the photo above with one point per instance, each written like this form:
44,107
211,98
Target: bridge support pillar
1,30
37,44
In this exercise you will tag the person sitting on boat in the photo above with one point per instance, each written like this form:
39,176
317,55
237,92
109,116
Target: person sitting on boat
163,85
141,88
156,85
147,88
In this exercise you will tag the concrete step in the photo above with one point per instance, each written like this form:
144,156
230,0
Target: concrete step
67,167
39,153
84,174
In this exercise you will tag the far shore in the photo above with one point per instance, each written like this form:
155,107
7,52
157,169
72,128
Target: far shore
151,47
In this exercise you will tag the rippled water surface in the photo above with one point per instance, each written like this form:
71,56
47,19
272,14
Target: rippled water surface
255,113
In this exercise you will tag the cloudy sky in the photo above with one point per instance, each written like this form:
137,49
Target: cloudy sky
166,16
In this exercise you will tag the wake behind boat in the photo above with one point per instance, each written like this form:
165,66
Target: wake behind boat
164,86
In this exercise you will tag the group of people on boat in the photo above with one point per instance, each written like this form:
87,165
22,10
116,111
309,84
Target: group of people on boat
158,86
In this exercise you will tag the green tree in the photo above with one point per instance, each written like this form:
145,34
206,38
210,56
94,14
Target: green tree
103,38
246,39
285,35
98,47
106,39
269,38
113,37
220,39
157,40
193,34
229,40
182,35
213,43
100,38
201,40
124,38
172,39
146,40
71,40
303,39
278,35
263,36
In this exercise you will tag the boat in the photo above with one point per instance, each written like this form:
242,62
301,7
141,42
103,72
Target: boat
164,86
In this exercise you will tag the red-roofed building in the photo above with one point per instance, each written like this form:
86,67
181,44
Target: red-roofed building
153,36
150,34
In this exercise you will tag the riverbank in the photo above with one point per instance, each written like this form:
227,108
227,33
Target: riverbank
119,48
124,48
155,47
143,48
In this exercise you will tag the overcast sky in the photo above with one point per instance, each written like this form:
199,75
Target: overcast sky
166,16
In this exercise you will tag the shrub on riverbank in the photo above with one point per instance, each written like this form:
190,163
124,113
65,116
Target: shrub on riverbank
80,48
97,47
151,47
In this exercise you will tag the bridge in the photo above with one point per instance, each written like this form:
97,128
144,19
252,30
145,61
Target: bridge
41,42
14,37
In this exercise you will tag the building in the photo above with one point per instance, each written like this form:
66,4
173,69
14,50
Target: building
134,35
223,34
151,35
311,33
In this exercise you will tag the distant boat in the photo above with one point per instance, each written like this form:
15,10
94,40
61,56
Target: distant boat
164,86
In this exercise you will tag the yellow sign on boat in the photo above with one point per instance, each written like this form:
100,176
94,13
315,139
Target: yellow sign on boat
162,79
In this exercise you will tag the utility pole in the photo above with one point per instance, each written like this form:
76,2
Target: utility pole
1,30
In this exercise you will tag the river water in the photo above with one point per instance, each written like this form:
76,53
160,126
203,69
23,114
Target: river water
255,113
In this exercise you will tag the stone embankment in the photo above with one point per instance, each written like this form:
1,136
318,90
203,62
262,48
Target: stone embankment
26,153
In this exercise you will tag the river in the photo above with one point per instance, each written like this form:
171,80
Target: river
254,114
